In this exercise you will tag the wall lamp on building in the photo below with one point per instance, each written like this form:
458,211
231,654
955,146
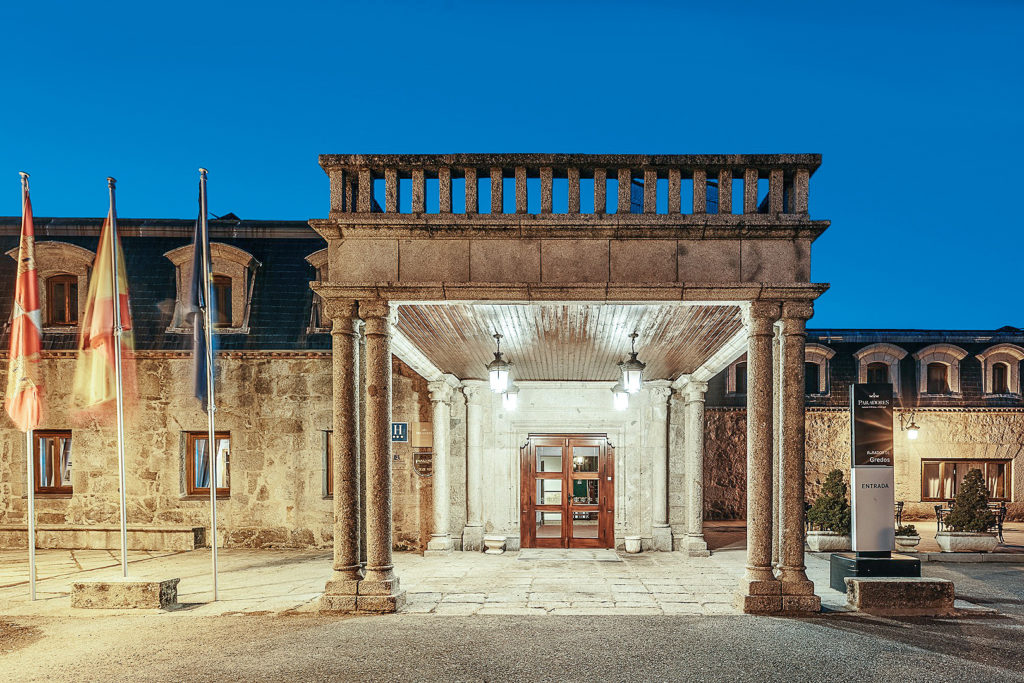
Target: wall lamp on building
498,369
908,425
632,369
510,399
620,397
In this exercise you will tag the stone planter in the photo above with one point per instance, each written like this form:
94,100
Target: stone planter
906,544
966,542
494,544
827,542
632,544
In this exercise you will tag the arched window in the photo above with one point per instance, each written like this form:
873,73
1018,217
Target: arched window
1000,378
938,378
234,279
62,299
818,357
878,373
880,356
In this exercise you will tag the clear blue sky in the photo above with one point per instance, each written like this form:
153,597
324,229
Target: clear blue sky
916,108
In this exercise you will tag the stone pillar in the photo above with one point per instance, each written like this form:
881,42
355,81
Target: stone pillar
694,398
776,441
658,430
379,590
797,590
441,397
473,533
759,591
341,590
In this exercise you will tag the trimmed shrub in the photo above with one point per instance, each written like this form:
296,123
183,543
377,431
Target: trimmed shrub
831,511
970,509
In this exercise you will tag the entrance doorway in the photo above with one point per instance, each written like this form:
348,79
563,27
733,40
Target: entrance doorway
568,484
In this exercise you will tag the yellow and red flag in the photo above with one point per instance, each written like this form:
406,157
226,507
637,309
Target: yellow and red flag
95,385
24,398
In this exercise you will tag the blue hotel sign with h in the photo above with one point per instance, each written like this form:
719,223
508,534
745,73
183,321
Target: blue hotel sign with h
399,432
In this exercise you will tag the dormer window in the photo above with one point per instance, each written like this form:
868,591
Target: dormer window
1000,369
878,373
736,377
938,369
64,275
816,372
62,299
880,364
234,277
318,320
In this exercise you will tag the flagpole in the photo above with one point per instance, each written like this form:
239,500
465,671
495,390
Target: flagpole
30,478
116,298
211,442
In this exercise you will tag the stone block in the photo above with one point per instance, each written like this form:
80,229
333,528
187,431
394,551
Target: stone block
504,261
643,261
345,604
473,538
792,588
661,539
574,261
776,261
759,604
801,603
380,604
364,260
901,596
342,586
708,260
434,260
388,587
125,593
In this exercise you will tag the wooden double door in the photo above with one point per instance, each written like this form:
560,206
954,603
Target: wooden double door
568,484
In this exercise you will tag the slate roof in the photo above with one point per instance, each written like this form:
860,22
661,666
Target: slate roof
281,302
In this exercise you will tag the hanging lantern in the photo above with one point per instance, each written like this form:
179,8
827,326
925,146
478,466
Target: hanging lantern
510,399
498,369
620,397
632,369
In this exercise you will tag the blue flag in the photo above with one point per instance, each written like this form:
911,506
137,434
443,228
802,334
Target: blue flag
198,301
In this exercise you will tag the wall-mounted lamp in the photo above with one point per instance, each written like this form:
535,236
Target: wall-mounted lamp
908,425
510,399
620,397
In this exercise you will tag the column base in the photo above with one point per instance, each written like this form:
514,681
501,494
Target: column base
439,544
473,538
696,546
661,538
759,597
359,596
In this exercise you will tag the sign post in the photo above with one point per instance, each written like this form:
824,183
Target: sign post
872,491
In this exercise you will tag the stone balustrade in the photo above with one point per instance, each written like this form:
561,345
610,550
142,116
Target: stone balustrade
670,185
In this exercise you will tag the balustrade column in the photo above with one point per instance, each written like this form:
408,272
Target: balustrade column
750,176
797,590
341,590
497,192
546,190
444,190
725,191
760,591
625,191
573,185
441,399
675,186
650,191
379,591
472,192
522,203
696,546
600,190
700,192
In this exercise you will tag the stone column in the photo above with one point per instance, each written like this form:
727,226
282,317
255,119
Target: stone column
341,590
797,590
694,397
379,590
759,591
441,397
473,533
776,441
658,431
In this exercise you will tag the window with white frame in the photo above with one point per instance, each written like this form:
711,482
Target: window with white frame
234,276
880,363
817,357
938,369
318,320
1000,368
64,273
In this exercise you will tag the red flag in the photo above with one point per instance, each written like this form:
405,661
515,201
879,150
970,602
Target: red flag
24,399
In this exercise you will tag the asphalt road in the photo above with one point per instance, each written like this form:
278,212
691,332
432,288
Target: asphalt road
179,646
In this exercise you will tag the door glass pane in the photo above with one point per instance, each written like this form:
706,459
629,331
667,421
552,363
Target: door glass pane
585,458
584,491
549,492
585,524
549,458
549,524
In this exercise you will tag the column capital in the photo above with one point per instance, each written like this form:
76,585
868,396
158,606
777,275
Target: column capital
659,392
475,391
343,312
759,317
440,391
797,310
370,309
694,392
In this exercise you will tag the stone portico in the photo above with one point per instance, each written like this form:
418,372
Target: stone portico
430,281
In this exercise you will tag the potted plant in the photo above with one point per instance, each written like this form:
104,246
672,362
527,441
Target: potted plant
967,524
907,538
830,514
